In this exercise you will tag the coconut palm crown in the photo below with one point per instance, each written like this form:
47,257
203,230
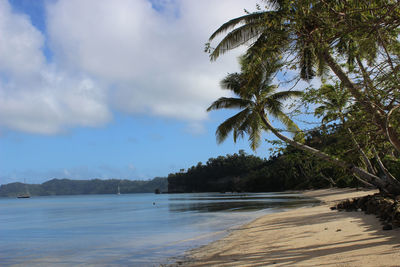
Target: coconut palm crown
255,96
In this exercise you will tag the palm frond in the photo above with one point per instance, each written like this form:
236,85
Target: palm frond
267,90
274,107
329,117
229,102
236,38
242,84
284,95
278,4
270,43
291,126
254,130
319,111
233,82
288,122
246,19
307,59
230,125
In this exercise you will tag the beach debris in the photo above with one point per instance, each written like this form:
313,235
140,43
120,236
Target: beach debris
387,227
386,208
338,230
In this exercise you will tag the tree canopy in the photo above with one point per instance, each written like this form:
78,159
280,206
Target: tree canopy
352,46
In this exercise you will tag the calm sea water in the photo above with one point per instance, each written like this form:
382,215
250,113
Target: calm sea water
123,230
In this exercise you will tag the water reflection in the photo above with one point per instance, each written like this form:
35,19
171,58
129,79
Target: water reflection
235,202
123,230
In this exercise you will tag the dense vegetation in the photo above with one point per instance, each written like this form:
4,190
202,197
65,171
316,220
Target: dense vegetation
353,47
84,187
288,169
247,173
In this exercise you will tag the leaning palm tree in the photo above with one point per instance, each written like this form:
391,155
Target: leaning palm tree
257,99
312,33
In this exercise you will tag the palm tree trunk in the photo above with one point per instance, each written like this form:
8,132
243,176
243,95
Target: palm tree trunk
329,179
366,160
364,182
388,175
379,118
390,130
370,178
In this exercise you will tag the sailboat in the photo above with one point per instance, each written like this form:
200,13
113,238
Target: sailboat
25,194
119,192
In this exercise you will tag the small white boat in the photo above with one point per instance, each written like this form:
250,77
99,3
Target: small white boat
26,194
23,195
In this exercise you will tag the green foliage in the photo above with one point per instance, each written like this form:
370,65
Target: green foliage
218,174
354,46
310,36
291,169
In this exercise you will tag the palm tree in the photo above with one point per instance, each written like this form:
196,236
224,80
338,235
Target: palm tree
255,93
257,99
335,106
312,32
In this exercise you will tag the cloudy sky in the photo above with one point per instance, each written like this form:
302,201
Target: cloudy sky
100,88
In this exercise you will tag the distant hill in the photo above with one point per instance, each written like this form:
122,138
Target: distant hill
84,187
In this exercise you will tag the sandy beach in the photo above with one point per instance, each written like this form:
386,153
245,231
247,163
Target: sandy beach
310,236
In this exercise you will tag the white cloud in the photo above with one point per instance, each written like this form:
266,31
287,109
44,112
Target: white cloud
153,61
52,103
111,55
20,44
36,96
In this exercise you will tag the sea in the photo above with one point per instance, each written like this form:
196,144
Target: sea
126,229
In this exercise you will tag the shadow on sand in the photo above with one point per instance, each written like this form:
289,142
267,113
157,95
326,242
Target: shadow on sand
278,255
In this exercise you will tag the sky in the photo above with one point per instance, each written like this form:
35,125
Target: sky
111,89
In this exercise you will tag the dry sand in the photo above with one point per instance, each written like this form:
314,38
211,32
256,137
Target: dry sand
311,236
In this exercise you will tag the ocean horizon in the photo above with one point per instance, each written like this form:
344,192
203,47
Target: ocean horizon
125,230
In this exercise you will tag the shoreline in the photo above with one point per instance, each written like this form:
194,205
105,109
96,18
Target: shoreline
308,236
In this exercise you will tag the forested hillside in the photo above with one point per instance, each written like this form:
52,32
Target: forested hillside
84,187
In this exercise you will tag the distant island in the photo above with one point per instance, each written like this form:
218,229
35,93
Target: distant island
290,169
85,187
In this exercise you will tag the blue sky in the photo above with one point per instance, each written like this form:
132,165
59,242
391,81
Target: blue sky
110,89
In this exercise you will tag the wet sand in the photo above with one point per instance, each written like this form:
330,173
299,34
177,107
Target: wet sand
310,236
